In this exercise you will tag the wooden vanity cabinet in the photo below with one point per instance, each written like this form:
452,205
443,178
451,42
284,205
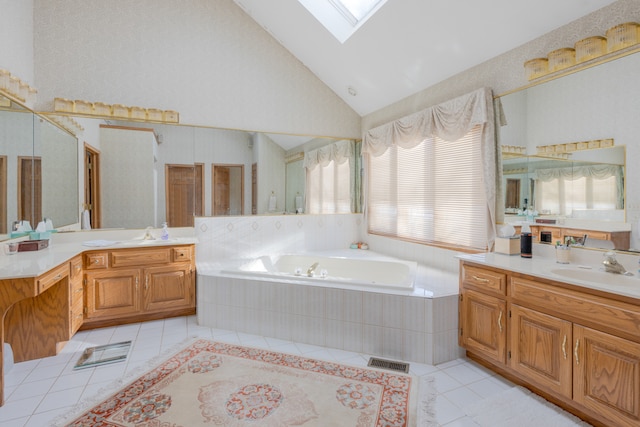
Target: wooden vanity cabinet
482,314
552,234
579,349
541,349
130,285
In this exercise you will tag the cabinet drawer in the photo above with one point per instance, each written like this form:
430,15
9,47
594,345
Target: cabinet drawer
77,292
483,279
76,268
609,315
52,277
181,254
96,260
598,235
130,258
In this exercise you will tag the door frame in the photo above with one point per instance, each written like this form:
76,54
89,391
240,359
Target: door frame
92,200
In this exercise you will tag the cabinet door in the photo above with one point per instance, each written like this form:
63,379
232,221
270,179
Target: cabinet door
111,294
76,294
483,323
541,349
607,375
168,288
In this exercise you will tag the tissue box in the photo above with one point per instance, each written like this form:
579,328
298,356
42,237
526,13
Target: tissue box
508,245
32,245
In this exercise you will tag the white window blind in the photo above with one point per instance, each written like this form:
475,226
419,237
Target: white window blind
561,196
328,188
431,193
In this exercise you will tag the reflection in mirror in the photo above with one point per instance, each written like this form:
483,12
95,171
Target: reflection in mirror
38,170
16,152
228,188
159,160
56,151
589,185
595,104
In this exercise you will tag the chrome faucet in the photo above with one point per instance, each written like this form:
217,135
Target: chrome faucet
311,269
611,265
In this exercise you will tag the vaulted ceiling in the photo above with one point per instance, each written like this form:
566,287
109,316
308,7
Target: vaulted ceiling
410,45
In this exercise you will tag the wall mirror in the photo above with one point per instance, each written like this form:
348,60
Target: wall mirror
588,185
149,173
38,169
595,103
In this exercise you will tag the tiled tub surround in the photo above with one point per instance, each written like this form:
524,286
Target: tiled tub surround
418,325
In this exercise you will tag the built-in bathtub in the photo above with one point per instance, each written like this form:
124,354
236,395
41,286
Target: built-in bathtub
334,271
355,300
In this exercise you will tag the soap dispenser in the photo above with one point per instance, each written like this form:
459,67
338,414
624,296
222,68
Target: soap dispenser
165,232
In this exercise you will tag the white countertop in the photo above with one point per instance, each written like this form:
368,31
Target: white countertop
544,266
576,224
64,246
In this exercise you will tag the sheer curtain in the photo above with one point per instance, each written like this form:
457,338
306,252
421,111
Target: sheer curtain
560,190
331,179
468,119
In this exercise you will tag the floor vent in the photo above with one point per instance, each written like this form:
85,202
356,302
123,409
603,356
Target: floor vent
103,355
391,365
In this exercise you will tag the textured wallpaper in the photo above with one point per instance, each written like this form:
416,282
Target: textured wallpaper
506,73
206,59
16,38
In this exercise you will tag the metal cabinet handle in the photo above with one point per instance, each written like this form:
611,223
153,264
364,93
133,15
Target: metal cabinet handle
500,321
575,351
564,347
481,279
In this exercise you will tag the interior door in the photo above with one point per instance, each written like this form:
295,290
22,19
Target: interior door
92,184
30,189
183,194
228,189
512,199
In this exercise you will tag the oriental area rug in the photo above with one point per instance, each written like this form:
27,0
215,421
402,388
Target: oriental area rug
217,384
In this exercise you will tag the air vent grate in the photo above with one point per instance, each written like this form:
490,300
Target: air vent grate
391,365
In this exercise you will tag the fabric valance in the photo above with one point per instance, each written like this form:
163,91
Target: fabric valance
449,121
339,152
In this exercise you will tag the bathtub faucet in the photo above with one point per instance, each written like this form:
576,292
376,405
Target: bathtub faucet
312,268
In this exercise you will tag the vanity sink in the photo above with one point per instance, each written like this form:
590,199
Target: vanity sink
157,242
598,276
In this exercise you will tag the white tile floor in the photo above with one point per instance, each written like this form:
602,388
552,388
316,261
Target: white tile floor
38,391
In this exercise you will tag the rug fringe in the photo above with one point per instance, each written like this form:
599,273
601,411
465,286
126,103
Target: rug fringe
427,395
79,408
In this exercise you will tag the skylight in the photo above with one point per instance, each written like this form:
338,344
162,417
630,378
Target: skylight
342,17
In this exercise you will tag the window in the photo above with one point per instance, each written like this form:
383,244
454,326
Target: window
342,18
433,192
431,175
565,191
330,177
329,188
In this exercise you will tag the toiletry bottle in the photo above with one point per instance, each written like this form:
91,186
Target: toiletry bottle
165,232
525,242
